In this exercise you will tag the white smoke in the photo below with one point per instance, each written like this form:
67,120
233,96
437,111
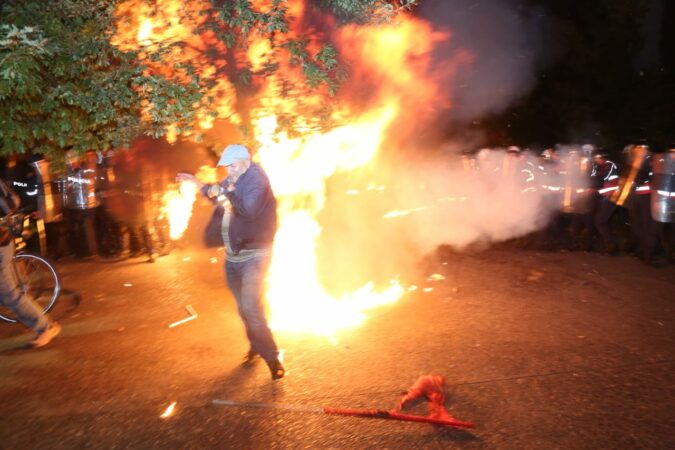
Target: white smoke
494,198
412,207
507,41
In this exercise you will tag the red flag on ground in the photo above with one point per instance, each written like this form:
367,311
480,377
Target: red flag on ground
429,387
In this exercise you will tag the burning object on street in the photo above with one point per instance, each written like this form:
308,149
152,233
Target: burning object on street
169,411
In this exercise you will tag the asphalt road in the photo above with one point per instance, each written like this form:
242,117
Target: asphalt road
540,351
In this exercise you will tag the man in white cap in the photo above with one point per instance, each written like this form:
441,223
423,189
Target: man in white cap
248,228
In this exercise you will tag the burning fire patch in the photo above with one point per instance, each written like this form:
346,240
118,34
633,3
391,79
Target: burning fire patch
392,59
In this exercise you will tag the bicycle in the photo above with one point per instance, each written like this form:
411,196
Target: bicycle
37,277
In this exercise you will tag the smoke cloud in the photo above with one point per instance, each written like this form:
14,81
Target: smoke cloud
378,221
419,195
408,210
507,42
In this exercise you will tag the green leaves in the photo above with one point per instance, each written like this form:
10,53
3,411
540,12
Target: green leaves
63,84
366,11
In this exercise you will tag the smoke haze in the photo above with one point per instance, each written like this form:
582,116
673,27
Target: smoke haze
379,220
408,210
420,195
506,40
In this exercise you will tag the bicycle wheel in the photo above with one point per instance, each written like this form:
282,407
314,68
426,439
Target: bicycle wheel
38,279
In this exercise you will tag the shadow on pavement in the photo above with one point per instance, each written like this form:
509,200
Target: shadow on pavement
68,302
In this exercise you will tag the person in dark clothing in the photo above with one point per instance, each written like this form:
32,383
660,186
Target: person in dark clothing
662,187
644,228
605,179
248,227
81,203
133,198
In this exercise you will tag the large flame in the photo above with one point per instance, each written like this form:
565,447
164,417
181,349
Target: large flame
390,61
177,207
298,169
178,200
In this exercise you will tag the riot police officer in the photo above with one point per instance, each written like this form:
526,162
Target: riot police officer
605,181
81,202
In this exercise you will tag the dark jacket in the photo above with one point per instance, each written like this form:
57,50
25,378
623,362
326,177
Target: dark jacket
254,210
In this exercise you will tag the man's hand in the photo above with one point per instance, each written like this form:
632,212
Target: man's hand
214,191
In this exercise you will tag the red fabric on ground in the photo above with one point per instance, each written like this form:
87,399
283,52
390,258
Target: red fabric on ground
430,387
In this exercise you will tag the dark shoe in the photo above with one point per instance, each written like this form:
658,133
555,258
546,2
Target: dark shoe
250,357
276,369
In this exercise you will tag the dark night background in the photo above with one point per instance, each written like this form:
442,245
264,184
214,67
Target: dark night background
562,71
613,82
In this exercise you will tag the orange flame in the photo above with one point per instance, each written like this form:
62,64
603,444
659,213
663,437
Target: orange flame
177,202
177,206
390,61
171,23
298,169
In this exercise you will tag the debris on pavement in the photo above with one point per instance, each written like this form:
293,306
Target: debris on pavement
535,275
193,315
429,387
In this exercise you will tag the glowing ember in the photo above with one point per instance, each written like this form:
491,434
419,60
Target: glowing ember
145,32
169,411
403,212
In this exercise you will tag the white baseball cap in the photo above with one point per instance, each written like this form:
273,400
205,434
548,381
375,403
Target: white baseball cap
233,152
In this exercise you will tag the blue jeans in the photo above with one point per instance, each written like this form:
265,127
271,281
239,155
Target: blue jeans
13,297
246,280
